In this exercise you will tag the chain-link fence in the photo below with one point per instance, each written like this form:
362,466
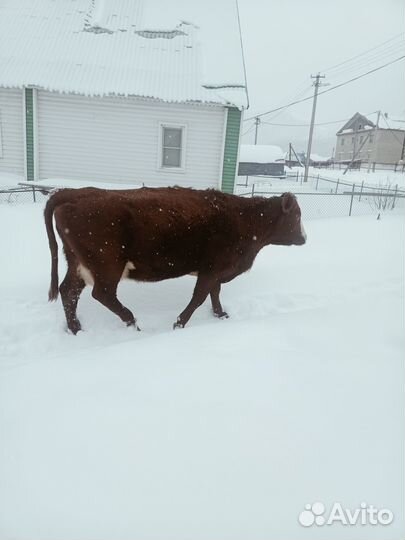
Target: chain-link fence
364,166
318,198
22,195
321,197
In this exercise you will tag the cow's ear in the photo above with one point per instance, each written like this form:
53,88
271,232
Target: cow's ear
288,202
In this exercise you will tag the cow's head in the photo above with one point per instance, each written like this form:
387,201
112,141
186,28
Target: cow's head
288,230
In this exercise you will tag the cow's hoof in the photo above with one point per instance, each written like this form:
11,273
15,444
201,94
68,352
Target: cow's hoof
222,315
74,327
177,324
133,323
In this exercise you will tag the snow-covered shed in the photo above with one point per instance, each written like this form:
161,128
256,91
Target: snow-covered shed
261,159
121,91
319,161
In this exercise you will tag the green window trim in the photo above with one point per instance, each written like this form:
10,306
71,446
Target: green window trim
29,134
231,149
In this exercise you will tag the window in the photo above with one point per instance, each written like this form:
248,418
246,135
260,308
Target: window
352,140
361,139
342,141
172,147
370,140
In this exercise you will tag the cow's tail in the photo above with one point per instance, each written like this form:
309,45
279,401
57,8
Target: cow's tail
53,246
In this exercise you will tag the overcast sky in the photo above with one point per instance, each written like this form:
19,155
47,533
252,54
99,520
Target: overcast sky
285,41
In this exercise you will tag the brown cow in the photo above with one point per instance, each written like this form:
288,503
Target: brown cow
151,234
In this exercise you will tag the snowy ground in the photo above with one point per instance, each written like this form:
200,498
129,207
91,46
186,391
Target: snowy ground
225,429
9,180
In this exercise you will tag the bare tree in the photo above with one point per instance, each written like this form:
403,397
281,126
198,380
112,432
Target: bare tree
382,199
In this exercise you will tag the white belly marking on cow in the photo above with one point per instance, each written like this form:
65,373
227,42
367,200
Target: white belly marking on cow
88,278
304,234
129,266
85,274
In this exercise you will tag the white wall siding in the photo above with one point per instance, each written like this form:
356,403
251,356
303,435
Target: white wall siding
12,131
117,139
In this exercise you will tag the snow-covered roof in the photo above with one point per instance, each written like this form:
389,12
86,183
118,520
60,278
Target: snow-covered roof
180,51
260,153
318,158
355,121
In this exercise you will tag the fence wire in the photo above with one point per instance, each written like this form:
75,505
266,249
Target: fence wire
319,198
322,197
22,195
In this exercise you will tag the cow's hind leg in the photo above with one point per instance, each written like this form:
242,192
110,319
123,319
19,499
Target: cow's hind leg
70,290
201,291
216,303
105,291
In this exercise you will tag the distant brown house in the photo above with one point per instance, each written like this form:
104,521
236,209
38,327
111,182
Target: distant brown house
367,143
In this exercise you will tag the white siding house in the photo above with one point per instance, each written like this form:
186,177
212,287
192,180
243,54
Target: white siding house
98,92
120,139
11,131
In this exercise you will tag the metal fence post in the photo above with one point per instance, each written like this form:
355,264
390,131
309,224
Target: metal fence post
361,190
337,185
33,193
247,181
351,201
317,182
253,189
395,196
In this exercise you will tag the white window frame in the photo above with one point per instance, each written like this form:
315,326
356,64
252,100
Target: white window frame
170,125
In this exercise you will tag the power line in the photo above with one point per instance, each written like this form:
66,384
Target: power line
243,54
295,96
306,125
369,61
391,130
363,53
363,75
329,89
248,130
318,123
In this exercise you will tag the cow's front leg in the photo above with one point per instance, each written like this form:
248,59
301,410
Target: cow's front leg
201,291
216,303
106,293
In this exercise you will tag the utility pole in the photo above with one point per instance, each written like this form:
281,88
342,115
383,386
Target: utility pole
317,84
295,154
357,152
374,140
257,124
